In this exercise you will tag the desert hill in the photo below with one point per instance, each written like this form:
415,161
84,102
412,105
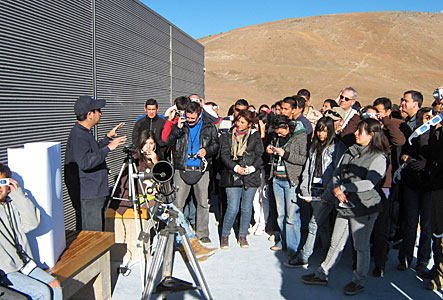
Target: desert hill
377,53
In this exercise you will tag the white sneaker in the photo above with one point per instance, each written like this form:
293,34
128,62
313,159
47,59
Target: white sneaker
260,230
252,229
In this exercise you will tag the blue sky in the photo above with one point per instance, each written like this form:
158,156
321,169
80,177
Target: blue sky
202,18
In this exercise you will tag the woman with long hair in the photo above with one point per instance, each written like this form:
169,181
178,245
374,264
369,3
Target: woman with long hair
147,154
323,157
241,150
288,149
356,181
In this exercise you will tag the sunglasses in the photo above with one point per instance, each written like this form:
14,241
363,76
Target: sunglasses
96,110
346,98
238,109
195,100
335,114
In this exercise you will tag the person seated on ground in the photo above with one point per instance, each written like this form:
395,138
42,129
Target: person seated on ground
18,216
355,181
147,154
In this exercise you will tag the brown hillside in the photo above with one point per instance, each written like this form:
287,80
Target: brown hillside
377,53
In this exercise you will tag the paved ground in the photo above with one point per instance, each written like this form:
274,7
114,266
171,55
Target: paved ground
258,273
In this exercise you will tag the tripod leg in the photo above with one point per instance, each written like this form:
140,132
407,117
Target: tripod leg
168,260
196,267
155,267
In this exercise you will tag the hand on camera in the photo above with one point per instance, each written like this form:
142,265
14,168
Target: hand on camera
201,152
181,122
340,195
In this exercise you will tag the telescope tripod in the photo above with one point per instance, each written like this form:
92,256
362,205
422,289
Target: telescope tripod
165,254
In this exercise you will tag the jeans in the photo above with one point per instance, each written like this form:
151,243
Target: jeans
92,211
35,285
417,205
201,196
190,211
236,195
361,229
181,221
319,219
288,215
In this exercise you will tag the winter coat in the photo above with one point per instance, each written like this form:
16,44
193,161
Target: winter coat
251,157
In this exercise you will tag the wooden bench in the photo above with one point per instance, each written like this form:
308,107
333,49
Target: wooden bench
86,260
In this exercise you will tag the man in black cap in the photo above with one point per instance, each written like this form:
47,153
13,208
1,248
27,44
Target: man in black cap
86,173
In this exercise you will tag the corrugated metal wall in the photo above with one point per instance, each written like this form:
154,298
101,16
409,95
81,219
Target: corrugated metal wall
47,60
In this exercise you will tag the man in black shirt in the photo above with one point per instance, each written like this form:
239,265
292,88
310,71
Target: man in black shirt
86,173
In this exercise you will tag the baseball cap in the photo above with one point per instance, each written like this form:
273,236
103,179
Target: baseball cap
85,104
336,113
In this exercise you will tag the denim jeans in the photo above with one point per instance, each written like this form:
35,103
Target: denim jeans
235,196
288,215
361,229
35,285
181,221
320,216
417,205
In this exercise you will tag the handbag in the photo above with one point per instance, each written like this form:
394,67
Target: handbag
191,177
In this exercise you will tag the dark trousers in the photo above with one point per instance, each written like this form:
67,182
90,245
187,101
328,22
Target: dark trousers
93,213
381,231
437,234
417,205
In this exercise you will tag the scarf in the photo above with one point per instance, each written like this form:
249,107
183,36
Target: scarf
239,142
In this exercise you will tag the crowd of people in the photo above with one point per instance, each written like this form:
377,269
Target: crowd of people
305,177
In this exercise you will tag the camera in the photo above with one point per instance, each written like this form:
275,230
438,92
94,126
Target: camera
129,149
192,156
438,94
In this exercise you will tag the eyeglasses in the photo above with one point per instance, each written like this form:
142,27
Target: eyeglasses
346,98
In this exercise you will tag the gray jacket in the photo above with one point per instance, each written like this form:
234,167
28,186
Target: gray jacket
295,153
359,176
331,156
25,217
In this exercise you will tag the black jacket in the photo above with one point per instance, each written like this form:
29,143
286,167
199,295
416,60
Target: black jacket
85,165
251,157
155,124
180,138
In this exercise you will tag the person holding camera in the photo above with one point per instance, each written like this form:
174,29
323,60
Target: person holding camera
289,150
86,173
241,150
18,216
196,141
355,181
147,154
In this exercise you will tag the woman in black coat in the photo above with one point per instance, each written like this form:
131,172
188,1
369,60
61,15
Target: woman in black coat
241,149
